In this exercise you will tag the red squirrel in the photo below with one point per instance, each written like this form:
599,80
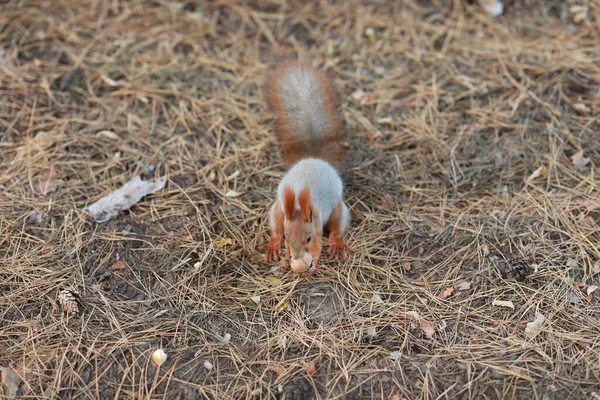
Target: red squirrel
310,136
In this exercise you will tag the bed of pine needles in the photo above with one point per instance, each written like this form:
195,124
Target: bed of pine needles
473,185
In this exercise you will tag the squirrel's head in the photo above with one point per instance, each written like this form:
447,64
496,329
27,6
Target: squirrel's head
302,232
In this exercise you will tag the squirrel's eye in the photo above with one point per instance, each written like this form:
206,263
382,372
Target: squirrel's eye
284,236
308,239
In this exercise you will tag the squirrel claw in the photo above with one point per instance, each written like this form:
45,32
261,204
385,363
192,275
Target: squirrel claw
338,249
273,249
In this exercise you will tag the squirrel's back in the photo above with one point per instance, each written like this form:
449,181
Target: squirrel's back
306,108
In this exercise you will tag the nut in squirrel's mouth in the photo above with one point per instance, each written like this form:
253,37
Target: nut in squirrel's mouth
308,269
303,265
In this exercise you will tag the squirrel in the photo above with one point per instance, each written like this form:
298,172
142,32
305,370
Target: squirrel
310,135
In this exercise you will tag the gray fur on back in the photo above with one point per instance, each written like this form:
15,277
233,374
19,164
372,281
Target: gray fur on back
325,183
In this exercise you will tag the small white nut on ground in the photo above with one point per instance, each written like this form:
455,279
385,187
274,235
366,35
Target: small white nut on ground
227,338
159,357
208,365
493,8
580,17
302,264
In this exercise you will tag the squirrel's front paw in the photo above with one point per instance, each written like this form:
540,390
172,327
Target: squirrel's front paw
337,248
273,248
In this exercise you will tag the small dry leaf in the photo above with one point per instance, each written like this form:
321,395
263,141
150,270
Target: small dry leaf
123,198
108,134
119,265
500,214
74,182
447,292
233,193
35,217
256,392
274,281
486,249
385,121
281,306
282,341
395,396
223,242
427,327
372,332
572,263
591,289
11,380
503,303
69,301
311,369
576,9
375,135
387,203
579,18
227,338
208,365
277,368
377,299
579,161
596,267
233,176
541,171
255,299
47,184
572,297
359,94
159,357
533,327
589,205
464,285
112,82
394,355
580,106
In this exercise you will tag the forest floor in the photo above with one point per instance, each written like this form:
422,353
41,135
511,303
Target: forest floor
473,184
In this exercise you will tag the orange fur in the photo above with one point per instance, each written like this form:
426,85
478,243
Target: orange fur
292,148
274,246
306,207
289,203
337,247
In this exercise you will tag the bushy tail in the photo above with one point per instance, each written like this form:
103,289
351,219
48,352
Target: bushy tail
306,107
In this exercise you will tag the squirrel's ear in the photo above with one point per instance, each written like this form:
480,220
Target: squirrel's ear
306,209
289,203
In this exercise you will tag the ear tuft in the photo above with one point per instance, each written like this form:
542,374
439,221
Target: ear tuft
289,203
305,205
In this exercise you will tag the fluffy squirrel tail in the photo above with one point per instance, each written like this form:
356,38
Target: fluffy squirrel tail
306,106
